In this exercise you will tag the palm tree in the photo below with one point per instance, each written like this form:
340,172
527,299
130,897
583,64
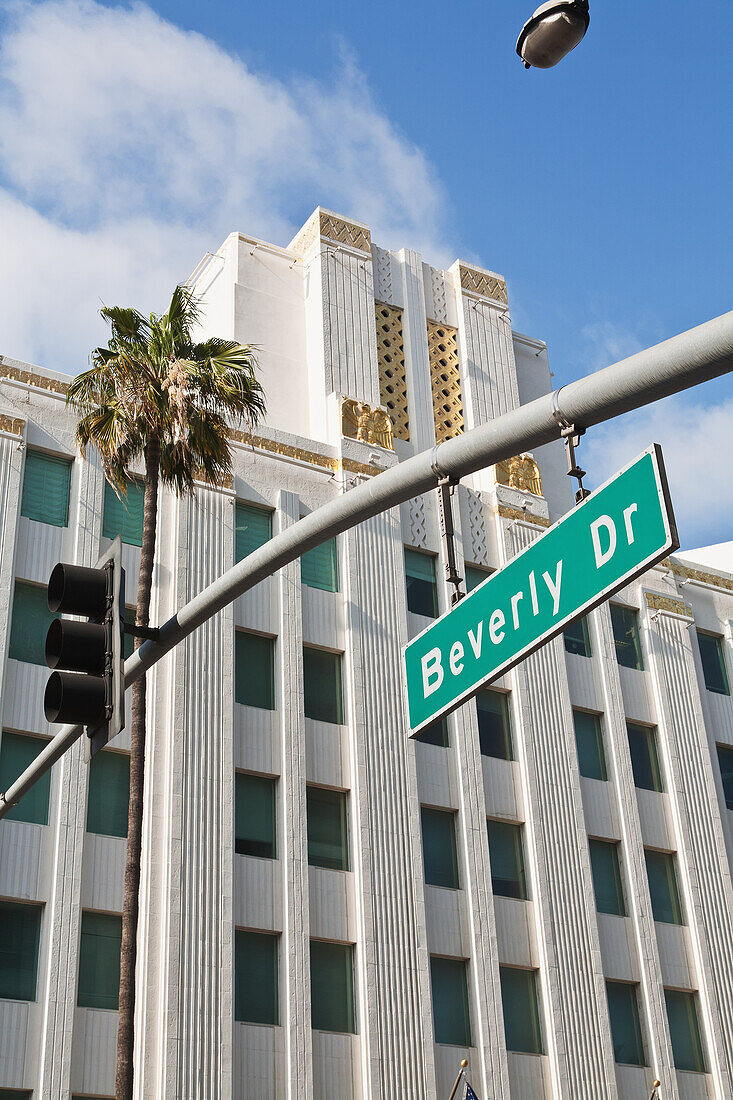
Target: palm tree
156,394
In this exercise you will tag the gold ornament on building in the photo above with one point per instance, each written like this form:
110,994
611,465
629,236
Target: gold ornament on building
483,283
445,378
392,373
520,472
368,425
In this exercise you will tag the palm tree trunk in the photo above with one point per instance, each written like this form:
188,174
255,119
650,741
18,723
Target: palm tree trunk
128,955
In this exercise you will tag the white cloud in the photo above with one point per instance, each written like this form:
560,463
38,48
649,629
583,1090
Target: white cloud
129,147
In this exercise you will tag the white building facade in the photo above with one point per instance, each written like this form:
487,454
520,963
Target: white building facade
542,885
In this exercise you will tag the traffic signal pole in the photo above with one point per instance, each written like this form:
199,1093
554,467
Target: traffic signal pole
695,356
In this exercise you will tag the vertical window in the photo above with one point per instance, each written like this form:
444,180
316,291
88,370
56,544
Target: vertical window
519,1001
124,517
254,816
332,986
16,753
437,734
589,739
46,483
108,800
725,760
644,757
451,1015
494,729
328,829
625,623
20,934
256,977
319,567
254,670
623,1009
440,855
99,960
29,627
607,877
713,663
422,591
684,1030
252,529
128,640
662,875
476,575
322,685
506,852
577,637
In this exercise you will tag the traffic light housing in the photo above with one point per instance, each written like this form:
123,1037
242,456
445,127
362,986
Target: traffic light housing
87,684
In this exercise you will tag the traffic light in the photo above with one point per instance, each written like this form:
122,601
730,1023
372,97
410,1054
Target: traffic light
87,684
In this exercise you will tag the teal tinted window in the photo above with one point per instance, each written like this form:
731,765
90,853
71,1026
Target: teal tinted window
519,1001
16,753
662,874
99,960
725,760
46,483
256,977
577,638
328,830
108,799
625,623
20,1094
607,877
506,852
713,663
437,734
20,934
332,986
589,739
253,528
623,1009
475,576
254,815
684,1030
451,1015
319,567
29,627
128,640
494,730
439,847
322,685
124,517
422,591
644,757
254,670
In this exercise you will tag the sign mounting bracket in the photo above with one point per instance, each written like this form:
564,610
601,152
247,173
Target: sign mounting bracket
446,488
571,435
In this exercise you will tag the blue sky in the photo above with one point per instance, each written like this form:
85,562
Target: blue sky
134,138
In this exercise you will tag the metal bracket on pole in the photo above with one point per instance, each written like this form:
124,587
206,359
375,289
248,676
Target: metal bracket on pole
571,434
446,485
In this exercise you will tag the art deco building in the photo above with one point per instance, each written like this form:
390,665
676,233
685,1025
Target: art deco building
541,885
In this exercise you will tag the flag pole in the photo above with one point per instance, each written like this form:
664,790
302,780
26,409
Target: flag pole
457,1081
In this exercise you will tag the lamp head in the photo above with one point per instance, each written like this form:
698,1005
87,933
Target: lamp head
554,30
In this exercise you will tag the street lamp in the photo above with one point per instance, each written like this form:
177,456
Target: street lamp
554,30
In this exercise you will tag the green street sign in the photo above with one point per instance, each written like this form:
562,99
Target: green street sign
619,531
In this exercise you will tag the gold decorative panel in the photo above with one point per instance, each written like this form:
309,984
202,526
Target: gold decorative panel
483,283
445,378
665,603
520,472
360,421
332,228
392,373
13,425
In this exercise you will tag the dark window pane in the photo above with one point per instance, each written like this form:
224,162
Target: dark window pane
662,875
128,640
332,987
328,831
254,670
437,734
451,1016
254,815
644,757
20,933
99,960
322,685
725,760
607,877
29,627
109,793
422,591
475,576
319,567
256,977
577,637
506,852
124,517
46,482
439,847
252,529
16,753
684,1030
522,1029
623,1008
589,739
494,730
713,663
625,623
